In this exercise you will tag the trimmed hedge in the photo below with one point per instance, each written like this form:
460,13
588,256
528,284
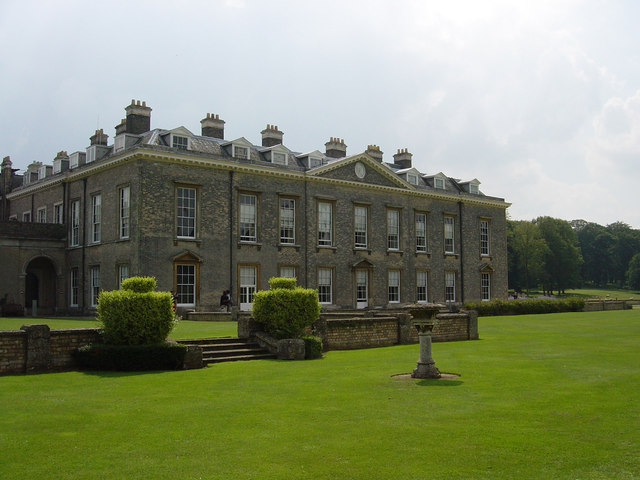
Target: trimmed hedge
282,282
135,315
526,306
312,347
285,312
160,356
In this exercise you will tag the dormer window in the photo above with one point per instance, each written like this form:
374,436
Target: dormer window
412,179
42,172
181,143
240,152
278,158
473,188
438,183
119,143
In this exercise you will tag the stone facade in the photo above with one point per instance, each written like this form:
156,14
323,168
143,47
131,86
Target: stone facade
204,214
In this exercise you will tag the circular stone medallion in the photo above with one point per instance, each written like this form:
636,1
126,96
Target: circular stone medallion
360,170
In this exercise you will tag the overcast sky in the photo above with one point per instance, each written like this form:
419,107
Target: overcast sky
540,100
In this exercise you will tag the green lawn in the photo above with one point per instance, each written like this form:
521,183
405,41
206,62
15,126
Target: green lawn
184,329
539,397
619,293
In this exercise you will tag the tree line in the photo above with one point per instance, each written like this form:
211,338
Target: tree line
551,254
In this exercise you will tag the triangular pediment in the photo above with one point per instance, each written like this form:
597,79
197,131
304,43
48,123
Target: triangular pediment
364,263
241,141
181,131
486,268
187,256
361,168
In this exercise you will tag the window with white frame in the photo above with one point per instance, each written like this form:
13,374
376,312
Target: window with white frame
438,183
94,275
394,286
74,214
314,162
412,179
325,285
181,143
484,237
325,224
26,216
393,229
123,273
186,284
248,285
421,232
473,188
73,288
41,215
450,286
287,221
421,286
288,272
240,152
96,217
248,218
360,226
186,212
58,213
278,158
124,195
485,285
449,234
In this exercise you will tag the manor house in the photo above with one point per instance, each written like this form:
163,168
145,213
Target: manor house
204,214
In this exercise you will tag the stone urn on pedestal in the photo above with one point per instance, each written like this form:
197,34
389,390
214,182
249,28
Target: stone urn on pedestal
424,320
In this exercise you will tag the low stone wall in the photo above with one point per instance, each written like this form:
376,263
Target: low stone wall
600,305
381,330
36,348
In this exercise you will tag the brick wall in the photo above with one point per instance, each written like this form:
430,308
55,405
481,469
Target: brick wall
36,348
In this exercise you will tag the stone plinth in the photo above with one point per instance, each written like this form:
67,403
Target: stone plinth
424,321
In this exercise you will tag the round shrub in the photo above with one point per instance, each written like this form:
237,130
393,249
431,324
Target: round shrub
312,346
286,312
130,317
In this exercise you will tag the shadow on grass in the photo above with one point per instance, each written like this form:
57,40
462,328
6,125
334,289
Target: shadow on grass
439,382
121,373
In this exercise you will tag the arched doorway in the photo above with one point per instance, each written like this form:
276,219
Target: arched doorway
40,285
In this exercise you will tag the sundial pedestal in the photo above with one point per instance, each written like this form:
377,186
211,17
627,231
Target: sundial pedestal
424,321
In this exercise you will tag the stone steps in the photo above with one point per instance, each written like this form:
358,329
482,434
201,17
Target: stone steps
228,349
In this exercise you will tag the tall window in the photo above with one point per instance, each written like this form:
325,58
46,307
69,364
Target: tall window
421,286
450,286
74,238
325,290
186,284
484,237
248,217
325,224
41,215
248,286
449,234
393,230
123,273
360,214
94,275
485,285
96,214
186,212
288,272
421,232
394,286
287,221
73,288
58,215
124,200
26,217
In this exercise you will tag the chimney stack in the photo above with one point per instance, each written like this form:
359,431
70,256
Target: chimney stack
138,118
335,148
61,162
212,126
374,151
99,138
121,127
403,158
271,136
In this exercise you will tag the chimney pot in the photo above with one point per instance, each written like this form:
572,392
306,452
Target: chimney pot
271,136
212,126
403,158
138,118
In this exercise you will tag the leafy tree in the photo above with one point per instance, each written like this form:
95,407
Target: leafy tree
528,250
625,246
595,245
562,260
633,272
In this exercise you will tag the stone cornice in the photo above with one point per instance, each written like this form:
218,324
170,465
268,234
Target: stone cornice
211,161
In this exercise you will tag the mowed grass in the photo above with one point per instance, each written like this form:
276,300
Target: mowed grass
622,294
183,330
539,397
